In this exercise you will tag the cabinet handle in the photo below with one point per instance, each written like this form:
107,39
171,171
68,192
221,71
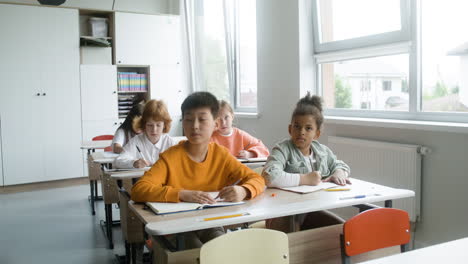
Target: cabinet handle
44,94
119,61
38,94
115,123
114,92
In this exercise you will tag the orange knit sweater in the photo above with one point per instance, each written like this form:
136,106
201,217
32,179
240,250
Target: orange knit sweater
240,140
175,171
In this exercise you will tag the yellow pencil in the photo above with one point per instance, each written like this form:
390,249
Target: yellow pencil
337,190
222,217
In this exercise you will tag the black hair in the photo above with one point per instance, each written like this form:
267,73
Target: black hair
136,111
310,105
200,99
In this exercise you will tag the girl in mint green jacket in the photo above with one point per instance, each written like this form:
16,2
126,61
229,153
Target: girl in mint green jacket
301,160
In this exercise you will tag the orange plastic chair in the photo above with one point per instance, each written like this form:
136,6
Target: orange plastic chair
375,229
104,137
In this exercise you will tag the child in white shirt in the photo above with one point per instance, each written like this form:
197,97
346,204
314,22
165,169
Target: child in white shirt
143,150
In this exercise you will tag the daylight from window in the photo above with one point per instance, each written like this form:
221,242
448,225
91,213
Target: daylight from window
379,83
345,19
382,83
444,55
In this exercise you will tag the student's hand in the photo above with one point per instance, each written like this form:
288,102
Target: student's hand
141,163
338,177
233,193
244,154
196,197
311,178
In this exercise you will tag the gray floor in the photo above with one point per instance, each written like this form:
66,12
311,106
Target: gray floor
54,226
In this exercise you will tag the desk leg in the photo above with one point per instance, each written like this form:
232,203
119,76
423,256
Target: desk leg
127,252
133,254
95,188
91,198
293,224
108,224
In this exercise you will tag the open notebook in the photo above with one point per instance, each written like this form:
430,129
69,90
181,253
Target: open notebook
308,189
169,208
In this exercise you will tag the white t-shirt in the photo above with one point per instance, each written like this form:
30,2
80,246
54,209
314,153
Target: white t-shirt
149,151
120,137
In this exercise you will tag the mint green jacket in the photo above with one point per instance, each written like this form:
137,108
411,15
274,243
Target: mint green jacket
286,158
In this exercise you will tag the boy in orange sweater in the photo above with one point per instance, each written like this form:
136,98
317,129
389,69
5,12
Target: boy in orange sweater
188,171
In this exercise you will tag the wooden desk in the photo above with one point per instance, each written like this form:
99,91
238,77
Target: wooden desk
93,169
132,229
266,206
96,163
111,182
449,252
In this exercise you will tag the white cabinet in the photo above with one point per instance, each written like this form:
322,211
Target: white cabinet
39,95
166,85
98,92
146,39
92,128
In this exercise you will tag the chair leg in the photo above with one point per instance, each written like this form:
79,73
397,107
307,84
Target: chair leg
345,259
404,247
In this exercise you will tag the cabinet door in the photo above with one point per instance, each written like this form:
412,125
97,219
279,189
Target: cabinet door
60,78
98,92
22,127
166,85
146,39
92,128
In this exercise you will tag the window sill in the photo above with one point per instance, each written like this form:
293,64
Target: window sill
246,115
396,123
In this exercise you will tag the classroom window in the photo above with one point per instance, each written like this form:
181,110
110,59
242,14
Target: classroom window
346,84
444,56
376,69
223,50
337,16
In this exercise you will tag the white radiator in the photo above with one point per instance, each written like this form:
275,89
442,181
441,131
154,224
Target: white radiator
390,164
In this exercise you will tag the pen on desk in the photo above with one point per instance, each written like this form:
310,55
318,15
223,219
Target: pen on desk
224,216
358,196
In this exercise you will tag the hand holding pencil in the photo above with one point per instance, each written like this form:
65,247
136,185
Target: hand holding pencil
233,193
141,162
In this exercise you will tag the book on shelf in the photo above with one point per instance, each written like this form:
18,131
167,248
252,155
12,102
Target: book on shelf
170,208
132,82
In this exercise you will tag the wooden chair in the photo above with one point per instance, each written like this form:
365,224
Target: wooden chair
374,229
259,246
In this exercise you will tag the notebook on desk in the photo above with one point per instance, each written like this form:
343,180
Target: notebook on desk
308,189
170,208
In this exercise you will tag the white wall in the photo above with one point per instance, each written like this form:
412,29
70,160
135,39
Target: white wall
278,68
284,74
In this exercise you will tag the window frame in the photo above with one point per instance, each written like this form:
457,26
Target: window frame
384,44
